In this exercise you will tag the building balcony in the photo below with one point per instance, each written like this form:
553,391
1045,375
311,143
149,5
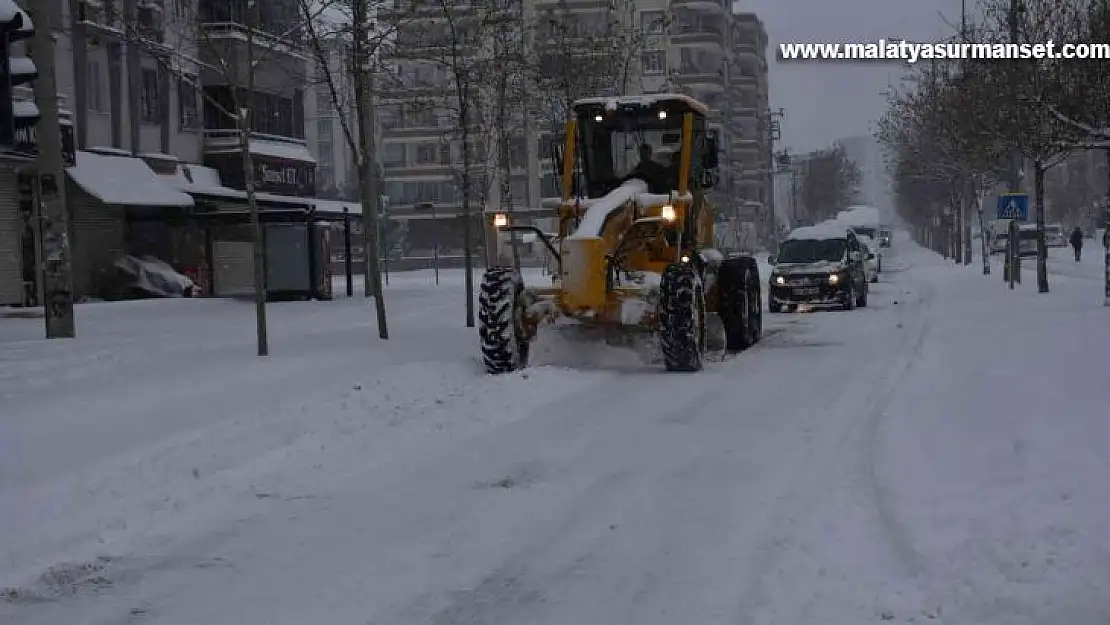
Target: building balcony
275,146
749,50
698,31
288,43
701,79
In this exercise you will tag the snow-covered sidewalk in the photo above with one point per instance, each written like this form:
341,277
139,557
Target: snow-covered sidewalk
998,450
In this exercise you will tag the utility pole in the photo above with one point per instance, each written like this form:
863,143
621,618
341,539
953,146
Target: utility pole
965,213
1013,241
57,270
133,68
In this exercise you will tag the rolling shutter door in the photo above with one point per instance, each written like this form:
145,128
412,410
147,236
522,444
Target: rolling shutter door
234,268
98,241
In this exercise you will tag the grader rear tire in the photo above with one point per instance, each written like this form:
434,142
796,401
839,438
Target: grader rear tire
504,348
682,328
741,302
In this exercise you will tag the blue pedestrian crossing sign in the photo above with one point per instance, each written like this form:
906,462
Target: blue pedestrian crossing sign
1013,206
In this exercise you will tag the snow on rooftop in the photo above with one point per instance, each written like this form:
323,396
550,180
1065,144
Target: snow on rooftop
825,230
159,156
124,180
611,103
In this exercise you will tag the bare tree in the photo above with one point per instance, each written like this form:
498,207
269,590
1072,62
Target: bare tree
829,182
456,38
580,54
348,42
926,127
1039,86
236,64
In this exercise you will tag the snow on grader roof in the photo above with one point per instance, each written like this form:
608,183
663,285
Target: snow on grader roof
826,230
611,103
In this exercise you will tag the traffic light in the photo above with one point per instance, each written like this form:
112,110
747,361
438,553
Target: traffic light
17,117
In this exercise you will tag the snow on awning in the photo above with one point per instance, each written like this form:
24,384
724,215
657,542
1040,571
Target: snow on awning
124,181
272,149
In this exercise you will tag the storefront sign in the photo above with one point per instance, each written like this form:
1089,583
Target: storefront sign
276,176
27,144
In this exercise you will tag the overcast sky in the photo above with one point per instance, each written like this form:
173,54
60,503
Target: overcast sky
825,101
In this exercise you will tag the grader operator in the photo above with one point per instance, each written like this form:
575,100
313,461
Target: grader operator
635,241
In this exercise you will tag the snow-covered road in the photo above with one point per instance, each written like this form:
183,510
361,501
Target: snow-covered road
344,480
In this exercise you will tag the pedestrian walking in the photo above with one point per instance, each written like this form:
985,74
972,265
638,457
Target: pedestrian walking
1077,242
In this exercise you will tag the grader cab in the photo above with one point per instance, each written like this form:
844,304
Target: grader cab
635,247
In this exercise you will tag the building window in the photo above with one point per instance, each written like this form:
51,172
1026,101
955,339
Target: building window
653,22
427,154
150,102
187,111
95,88
325,153
324,103
654,62
324,129
325,177
394,154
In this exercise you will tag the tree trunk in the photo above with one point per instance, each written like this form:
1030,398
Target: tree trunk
983,245
259,237
504,165
368,187
468,257
1042,249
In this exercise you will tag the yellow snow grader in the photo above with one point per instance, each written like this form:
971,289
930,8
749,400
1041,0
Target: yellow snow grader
635,240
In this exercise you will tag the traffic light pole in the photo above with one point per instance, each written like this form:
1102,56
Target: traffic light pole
57,274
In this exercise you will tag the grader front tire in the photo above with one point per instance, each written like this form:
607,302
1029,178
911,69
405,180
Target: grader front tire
504,347
682,329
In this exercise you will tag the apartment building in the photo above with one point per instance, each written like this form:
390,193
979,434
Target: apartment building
152,90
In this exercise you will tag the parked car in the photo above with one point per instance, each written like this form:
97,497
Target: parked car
1054,236
820,266
885,237
999,241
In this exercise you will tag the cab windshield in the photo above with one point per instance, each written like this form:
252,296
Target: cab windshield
812,250
867,232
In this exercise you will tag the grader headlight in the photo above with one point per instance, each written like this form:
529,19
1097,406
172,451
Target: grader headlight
667,213
500,220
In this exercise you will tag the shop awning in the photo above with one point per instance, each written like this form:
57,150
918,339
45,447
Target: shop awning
124,181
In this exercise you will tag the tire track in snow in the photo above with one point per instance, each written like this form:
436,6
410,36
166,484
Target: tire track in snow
866,397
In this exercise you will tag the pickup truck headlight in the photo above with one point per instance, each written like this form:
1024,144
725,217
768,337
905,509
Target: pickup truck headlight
779,280
834,278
